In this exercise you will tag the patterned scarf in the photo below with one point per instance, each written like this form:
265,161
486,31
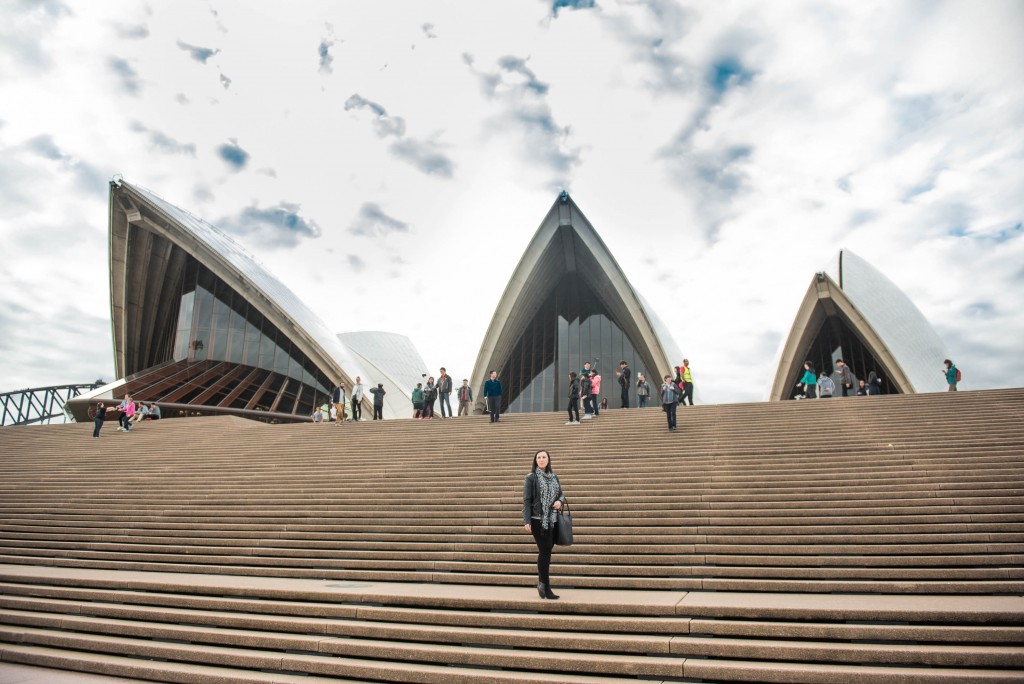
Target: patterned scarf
547,483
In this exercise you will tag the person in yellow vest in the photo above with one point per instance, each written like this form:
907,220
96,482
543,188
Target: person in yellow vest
684,371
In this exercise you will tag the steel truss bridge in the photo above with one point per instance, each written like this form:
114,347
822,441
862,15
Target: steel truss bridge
40,405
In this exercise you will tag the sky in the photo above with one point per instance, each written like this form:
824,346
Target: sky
390,162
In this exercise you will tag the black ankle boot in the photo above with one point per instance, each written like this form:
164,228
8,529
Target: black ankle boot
542,590
548,594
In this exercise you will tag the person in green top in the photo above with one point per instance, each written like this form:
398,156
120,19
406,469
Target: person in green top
809,381
417,401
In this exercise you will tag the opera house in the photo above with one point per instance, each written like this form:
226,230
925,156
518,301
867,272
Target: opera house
853,312
201,327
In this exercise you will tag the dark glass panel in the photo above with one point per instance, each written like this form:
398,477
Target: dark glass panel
536,373
837,340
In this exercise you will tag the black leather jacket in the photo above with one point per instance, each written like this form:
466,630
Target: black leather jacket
531,498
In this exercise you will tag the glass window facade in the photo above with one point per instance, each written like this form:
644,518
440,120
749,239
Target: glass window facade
571,327
837,340
216,324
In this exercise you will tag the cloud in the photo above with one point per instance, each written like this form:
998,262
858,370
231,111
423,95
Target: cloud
160,141
428,30
372,221
325,56
200,54
129,78
517,65
131,32
355,262
570,4
423,154
89,178
385,125
25,26
522,97
225,81
234,155
202,193
280,226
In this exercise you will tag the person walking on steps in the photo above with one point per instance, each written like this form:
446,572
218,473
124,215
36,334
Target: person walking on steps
97,421
465,397
338,399
809,382
542,499
846,379
444,392
643,391
624,375
687,383
595,390
588,411
952,375
574,399
670,401
492,395
825,386
417,401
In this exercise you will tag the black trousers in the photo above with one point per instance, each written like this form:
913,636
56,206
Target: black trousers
446,400
357,410
574,407
641,401
545,542
378,412
670,413
97,423
594,404
687,393
494,407
625,397
811,391
586,405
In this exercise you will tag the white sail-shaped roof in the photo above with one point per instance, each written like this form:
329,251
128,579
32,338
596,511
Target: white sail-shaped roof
881,314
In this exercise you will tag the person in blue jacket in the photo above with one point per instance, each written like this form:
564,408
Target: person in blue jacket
492,395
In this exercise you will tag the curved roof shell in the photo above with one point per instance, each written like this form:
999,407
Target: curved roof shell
882,315
567,242
142,277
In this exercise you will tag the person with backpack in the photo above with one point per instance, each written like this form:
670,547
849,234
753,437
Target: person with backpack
826,387
952,375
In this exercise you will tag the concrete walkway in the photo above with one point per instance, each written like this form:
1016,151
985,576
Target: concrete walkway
12,673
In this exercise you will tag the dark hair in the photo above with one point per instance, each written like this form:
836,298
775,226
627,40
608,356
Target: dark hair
492,371
444,369
623,363
572,375
948,362
810,366
538,453
840,361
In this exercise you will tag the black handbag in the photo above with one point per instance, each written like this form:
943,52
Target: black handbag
563,528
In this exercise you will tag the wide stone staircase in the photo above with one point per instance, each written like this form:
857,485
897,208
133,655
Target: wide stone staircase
871,539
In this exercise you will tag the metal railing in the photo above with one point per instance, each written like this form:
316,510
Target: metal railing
40,405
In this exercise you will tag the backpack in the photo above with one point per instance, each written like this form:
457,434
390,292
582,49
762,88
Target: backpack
958,375
827,386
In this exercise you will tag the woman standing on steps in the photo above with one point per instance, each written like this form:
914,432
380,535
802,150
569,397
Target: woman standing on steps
542,499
